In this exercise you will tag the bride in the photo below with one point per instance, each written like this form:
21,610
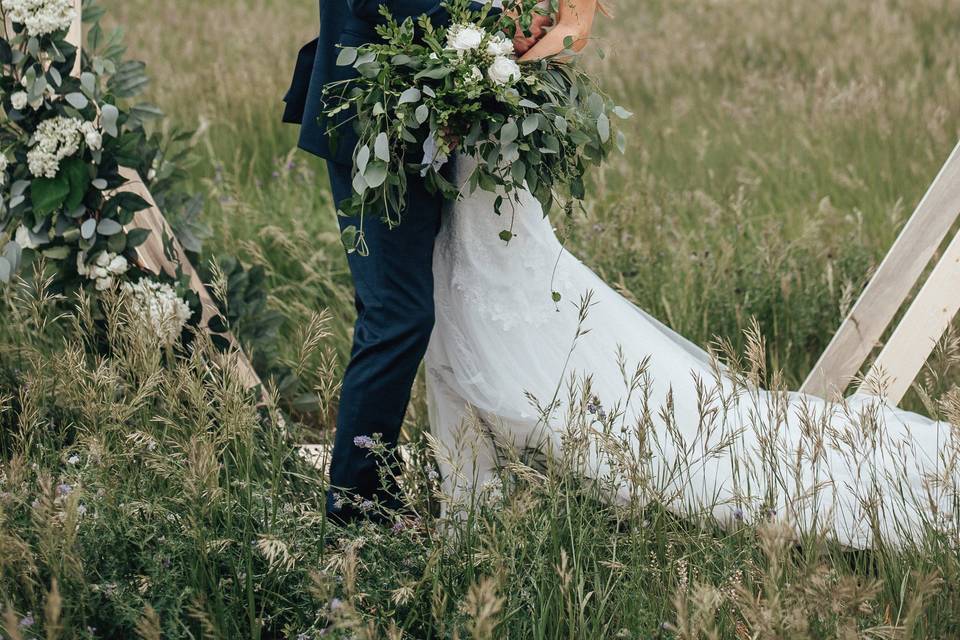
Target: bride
510,369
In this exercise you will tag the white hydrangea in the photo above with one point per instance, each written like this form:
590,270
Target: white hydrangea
160,308
19,100
499,46
41,17
464,37
504,71
104,270
24,238
58,138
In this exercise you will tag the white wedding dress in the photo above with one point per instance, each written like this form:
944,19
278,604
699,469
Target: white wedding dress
507,368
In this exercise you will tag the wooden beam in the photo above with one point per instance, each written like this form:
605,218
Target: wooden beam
890,286
924,324
151,253
75,35
153,258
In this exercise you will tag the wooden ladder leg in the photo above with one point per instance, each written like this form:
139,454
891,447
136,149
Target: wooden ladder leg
890,286
922,326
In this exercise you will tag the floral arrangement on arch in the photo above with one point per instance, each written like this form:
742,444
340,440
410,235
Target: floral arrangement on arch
63,138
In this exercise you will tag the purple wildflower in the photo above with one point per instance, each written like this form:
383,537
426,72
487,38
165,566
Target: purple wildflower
364,442
366,505
399,526
27,621
336,604
64,489
738,514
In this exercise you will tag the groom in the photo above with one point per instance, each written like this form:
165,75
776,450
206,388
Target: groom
394,283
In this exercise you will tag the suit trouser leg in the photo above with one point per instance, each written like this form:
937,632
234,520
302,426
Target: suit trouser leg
395,316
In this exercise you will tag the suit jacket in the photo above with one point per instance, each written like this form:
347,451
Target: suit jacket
348,23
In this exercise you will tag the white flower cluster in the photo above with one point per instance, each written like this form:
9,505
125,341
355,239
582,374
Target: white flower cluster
59,138
104,270
41,17
160,309
465,38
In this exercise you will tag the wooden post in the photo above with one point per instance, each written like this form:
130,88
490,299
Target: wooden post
884,295
917,334
75,35
151,253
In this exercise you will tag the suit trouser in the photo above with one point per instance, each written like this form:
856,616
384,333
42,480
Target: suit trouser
395,317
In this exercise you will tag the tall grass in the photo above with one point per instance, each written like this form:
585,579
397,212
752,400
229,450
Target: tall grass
777,149
144,494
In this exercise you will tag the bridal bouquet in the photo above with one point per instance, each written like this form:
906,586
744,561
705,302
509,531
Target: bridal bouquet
424,93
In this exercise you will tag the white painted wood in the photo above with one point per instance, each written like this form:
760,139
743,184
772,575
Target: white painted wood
894,280
153,258
922,326
75,35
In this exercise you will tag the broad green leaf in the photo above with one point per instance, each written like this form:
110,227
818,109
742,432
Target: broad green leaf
517,171
349,238
78,176
48,194
506,235
439,73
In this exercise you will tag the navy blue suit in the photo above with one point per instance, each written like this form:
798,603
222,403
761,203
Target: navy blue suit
394,283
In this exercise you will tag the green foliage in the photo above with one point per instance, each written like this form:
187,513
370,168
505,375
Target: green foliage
417,100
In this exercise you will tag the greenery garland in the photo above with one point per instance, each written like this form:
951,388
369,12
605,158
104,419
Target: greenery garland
63,139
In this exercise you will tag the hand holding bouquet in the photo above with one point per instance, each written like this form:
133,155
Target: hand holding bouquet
424,93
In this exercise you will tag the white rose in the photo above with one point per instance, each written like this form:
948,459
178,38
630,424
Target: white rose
118,265
24,238
504,71
464,38
94,140
499,46
104,283
19,100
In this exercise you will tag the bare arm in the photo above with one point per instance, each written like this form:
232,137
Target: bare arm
574,20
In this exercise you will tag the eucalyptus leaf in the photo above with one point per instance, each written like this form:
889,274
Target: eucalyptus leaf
509,132
422,113
77,100
363,157
410,96
381,147
530,124
347,56
88,228
376,174
108,227
603,127
109,115
5,270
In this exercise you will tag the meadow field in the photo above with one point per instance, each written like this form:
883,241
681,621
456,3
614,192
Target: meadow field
776,150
